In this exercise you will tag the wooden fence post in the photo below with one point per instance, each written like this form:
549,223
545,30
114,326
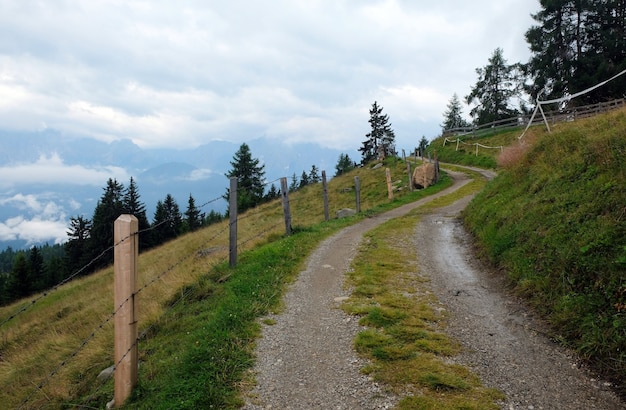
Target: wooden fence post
287,211
389,187
325,188
408,170
232,213
125,254
357,189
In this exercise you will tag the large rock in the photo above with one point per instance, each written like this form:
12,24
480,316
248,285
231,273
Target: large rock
346,212
424,175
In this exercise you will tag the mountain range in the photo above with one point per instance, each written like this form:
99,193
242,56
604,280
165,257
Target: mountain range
46,177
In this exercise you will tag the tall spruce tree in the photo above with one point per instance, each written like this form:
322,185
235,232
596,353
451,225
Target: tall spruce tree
77,245
453,118
131,204
109,208
314,175
496,86
381,139
576,45
193,216
344,164
250,178
168,222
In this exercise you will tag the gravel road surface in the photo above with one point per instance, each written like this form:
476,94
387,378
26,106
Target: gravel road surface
305,360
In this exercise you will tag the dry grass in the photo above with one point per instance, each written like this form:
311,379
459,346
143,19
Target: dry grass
53,350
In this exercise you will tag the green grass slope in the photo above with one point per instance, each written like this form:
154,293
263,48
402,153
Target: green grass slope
555,221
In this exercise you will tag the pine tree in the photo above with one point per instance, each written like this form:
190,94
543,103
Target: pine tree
497,84
77,244
250,178
132,205
108,209
314,175
294,182
344,164
37,271
20,282
422,146
167,223
304,180
193,217
381,139
576,45
273,193
453,118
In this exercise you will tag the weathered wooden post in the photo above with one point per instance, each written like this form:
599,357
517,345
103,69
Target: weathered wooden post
389,188
232,213
408,170
286,209
357,190
126,249
325,189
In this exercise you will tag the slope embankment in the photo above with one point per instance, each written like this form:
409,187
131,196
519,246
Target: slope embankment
555,221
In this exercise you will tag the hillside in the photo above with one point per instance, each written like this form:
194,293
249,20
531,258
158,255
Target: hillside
555,221
54,345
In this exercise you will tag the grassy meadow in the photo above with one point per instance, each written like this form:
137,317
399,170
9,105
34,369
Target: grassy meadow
196,315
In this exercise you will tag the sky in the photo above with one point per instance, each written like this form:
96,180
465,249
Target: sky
179,74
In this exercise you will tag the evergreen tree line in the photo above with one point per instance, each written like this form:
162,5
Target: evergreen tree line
90,241
89,245
574,46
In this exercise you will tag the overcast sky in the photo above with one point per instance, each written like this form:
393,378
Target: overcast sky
182,73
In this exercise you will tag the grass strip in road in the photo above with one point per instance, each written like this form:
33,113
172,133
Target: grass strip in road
405,337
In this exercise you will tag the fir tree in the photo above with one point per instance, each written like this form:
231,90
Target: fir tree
250,175
497,84
193,217
344,164
452,118
132,205
380,141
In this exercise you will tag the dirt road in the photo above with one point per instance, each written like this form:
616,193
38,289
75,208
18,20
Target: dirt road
305,358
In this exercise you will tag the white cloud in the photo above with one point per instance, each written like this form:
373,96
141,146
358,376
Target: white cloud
34,230
41,219
168,75
52,170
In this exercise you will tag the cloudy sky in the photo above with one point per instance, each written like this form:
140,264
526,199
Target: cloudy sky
181,73
178,74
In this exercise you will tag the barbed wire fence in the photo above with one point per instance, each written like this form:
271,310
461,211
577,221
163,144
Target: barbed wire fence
260,232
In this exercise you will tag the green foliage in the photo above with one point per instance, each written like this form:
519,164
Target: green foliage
344,165
452,118
250,174
556,222
497,84
576,45
381,139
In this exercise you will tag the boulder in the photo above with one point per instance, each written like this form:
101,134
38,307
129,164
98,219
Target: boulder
346,212
424,175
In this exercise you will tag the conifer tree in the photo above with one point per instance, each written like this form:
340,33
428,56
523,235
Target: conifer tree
381,139
132,205
304,180
453,118
109,208
314,175
250,178
497,84
344,164
193,217
167,223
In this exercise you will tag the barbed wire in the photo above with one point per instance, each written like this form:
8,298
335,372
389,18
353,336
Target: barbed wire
144,333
